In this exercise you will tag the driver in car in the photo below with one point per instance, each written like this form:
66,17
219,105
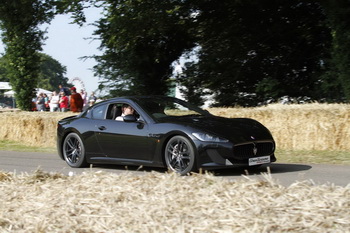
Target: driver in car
126,110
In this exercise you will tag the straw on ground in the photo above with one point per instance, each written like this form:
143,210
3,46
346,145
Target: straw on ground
155,202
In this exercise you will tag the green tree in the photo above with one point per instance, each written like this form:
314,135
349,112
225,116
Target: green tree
254,50
3,74
337,78
141,40
191,85
52,73
249,51
19,22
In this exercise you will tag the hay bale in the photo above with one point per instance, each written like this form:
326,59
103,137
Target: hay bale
301,127
294,127
154,202
31,128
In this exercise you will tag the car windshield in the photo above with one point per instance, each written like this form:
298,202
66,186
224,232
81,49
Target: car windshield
160,107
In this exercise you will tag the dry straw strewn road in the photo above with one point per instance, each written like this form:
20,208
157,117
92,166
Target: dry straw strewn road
155,202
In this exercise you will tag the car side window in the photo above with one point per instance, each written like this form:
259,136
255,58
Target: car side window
117,111
113,111
99,112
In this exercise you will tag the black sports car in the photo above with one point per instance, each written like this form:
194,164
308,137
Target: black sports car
161,132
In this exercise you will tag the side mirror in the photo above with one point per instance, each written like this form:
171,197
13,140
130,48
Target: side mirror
130,118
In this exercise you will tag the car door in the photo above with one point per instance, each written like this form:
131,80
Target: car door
125,140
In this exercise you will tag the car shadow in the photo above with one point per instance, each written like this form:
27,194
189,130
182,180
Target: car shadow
273,168
131,168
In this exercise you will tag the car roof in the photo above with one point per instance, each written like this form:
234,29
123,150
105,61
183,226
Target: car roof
142,97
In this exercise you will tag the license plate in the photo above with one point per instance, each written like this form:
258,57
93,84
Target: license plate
259,160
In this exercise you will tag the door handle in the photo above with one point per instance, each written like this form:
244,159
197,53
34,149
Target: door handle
102,127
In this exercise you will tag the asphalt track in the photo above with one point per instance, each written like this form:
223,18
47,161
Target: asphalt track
284,174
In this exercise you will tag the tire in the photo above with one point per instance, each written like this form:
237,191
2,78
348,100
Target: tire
180,155
74,151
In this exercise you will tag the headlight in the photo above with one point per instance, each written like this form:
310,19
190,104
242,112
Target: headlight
208,138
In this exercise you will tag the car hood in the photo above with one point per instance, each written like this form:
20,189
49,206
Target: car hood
235,129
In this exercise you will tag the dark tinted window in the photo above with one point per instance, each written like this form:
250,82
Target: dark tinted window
159,107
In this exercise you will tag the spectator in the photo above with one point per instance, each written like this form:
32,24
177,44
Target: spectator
92,99
63,102
47,101
64,89
76,102
54,102
40,102
84,97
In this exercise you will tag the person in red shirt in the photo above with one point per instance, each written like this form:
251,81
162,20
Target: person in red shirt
76,101
63,102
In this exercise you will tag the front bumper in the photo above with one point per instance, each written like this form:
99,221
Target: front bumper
238,155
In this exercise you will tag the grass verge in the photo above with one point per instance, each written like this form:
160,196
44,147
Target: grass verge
313,156
16,146
283,156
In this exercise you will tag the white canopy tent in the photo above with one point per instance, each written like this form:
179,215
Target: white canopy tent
9,93
5,86
38,91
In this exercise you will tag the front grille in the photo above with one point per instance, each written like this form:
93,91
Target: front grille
253,149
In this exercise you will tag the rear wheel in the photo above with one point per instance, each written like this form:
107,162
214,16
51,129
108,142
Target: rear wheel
180,155
74,151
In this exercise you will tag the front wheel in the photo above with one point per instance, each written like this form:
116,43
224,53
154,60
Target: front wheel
74,151
180,155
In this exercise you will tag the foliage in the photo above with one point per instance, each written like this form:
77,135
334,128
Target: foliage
339,73
246,51
3,76
19,22
251,51
191,85
51,73
141,40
